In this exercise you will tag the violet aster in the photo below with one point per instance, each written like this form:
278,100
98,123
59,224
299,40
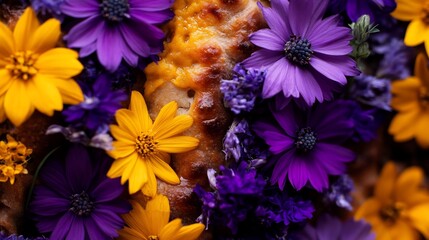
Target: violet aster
304,55
130,26
306,144
76,200
98,108
357,8
328,227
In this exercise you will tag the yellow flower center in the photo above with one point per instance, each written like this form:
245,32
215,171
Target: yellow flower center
424,97
21,65
152,237
145,144
391,212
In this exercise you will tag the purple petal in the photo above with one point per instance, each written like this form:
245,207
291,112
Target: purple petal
273,136
85,32
63,226
46,224
266,38
288,119
135,41
334,157
308,86
107,221
276,22
87,50
150,5
318,176
262,58
78,168
107,190
53,175
80,9
298,172
48,203
289,81
93,230
130,57
77,230
151,17
328,227
281,169
110,57
344,64
277,74
328,70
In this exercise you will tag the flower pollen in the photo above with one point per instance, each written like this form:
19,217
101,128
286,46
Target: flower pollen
115,10
145,145
298,50
391,212
21,65
81,204
305,139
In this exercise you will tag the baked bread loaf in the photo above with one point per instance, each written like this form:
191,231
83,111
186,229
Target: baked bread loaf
205,40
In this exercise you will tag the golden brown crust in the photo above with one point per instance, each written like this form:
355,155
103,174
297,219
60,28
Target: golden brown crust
206,39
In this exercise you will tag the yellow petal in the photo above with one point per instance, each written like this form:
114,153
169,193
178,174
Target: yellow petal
171,230
422,133
44,95
150,188
404,86
417,32
402,230
59,63
69,89
159,204
138,175
421,69
167,113
118,166
419,218
138,106
2,112
5,81
408,183
163,171
24,29
7,46
46,36
130,234
385,184
407,10
177,144
190,232
17,103
135,220
127,120
369,208
174,126
121,135
402,126
121,149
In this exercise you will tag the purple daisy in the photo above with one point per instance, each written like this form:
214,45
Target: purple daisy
96,112
76,200
304,55
306,144
329,227
127,25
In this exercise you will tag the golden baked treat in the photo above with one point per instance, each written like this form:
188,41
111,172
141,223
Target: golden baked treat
205,40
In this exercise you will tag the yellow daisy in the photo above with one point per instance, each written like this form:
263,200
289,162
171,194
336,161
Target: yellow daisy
399,209
13,157
151,223
141,147
416,11
34,74
411,100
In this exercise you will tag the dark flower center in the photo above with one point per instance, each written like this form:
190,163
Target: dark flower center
305,139
145,145
81,204
391,212
21,65
298,50
114,10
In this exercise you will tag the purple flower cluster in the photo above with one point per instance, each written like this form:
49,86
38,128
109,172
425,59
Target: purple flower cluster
237,194
372,91
76,200
240,144
339,192
4,236
240,93
48,7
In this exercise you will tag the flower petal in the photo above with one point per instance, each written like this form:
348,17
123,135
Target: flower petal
17,105
7,47
44,95
150,188
171,230
384,188
163,171
266,38
416,33
25,28
174,126
110,57
85,33
45,37
190,232
59,62
177,144
139,107
69,89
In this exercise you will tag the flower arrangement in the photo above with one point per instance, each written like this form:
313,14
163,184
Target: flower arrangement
316,112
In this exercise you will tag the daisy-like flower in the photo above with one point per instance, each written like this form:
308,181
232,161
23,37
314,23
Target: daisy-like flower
411,100
152,223
400,206
306,145
142,148
416,11
304,55
34,74
13,157
76,200
129,25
